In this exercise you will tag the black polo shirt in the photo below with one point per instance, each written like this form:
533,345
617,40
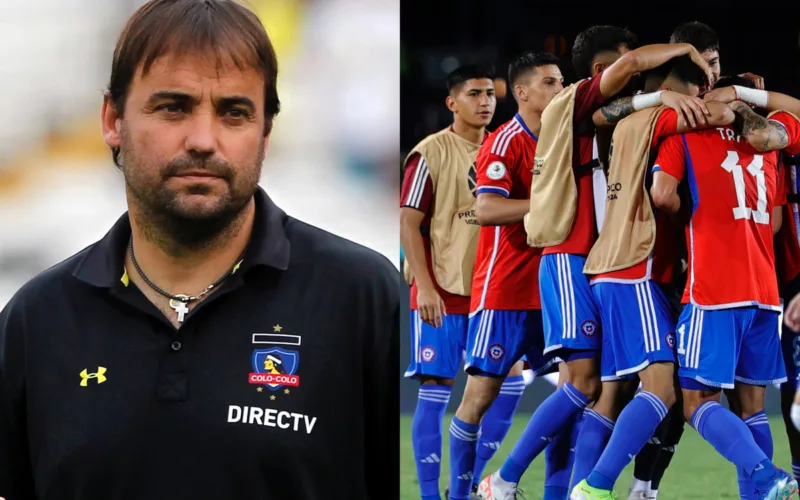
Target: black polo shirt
282,385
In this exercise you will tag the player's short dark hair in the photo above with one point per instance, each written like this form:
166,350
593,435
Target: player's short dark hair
593,41
700,35
526,62
459,76
681,68
727,81
223,28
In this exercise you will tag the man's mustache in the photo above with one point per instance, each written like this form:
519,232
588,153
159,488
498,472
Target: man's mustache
213,167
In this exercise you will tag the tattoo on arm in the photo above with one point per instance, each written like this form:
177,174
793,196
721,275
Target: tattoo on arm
753,126
618,110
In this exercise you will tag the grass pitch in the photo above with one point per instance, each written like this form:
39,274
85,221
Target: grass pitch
696,472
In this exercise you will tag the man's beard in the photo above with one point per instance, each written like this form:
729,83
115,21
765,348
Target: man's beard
165,219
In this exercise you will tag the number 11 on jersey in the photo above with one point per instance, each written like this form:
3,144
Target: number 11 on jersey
742,211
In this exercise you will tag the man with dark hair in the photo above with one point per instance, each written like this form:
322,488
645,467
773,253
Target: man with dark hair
439,233
629,276
561,219
505,313
595,47
185,355
727,332
463,74
780,132
705,40
655,457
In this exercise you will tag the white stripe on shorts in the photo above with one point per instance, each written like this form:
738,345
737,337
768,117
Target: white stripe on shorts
567,297
654,322
643,317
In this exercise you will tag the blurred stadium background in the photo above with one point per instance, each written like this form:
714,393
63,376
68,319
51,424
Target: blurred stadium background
332,157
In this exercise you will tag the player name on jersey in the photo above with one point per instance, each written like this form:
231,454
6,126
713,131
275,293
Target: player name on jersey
270,417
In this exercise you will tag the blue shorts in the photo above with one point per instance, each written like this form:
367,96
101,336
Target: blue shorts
790,342
638,327
571,317
437,352
498,339
720,347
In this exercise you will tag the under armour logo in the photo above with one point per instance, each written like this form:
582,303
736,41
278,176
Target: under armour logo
100,376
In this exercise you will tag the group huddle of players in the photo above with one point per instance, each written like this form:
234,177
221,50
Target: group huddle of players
562,242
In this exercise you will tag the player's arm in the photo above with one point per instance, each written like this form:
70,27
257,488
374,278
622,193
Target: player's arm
495,167
614,78
693,109
719,115
764,135
16,477
777,219
497,210
417,193
667,174
664,192
780,200
766,99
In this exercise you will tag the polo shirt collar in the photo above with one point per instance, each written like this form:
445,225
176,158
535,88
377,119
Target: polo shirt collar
104,264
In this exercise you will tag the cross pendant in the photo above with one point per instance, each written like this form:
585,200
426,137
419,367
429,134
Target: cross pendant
180,308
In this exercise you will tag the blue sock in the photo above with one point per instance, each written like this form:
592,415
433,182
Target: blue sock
759,428
732,439
796,470
635,426
496,423
559,458
554,414
463,440
426,437
595,432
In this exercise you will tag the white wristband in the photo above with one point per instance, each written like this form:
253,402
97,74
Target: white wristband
755,97
643,101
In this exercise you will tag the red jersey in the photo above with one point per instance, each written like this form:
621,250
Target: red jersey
417,193
733,190
661,262
506,275
788,248
588,99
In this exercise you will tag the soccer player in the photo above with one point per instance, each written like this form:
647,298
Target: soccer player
655,457
637,319
727,330
706,41
604,62
437,189
782,132
506,319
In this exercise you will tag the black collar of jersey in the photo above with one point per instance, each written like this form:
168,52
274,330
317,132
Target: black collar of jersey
104,264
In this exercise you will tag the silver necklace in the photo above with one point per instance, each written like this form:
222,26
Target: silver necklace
180,302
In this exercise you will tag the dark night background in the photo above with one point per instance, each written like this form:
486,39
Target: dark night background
438,35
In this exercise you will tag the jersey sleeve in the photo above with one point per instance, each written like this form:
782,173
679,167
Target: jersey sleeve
671,157
792,129
588,99
495,164
666,125
417,191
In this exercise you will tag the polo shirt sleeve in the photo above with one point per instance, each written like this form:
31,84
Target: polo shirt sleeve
16,478
382,398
